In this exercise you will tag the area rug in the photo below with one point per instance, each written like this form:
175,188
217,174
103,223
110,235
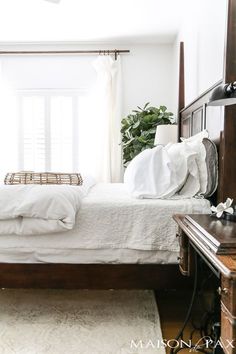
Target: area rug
79,322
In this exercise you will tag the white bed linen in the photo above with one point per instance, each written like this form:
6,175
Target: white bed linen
81,256
40,209
109,219
172,171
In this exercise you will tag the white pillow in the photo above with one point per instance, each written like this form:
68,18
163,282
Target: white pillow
149,175
184,159
195,143
162,171
197,137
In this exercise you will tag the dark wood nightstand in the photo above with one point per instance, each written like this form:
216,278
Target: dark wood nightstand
215,242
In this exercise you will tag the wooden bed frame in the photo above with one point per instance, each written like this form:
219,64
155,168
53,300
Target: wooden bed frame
192,119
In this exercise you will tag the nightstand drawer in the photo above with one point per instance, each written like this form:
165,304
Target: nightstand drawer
228,331
228,295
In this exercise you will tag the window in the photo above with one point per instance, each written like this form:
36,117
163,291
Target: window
56,114
48,129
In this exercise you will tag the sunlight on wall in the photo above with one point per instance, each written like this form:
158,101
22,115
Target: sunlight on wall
203,34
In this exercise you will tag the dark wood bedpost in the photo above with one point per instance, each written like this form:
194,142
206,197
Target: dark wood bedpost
228,162
181,102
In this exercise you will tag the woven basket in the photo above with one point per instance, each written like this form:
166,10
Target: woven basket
29,177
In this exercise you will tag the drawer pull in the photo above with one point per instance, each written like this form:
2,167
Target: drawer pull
222,291
180,258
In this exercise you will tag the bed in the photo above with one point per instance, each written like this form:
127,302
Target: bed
120,261
117,241
111,227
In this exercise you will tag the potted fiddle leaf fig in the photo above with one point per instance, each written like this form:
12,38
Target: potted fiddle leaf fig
139,128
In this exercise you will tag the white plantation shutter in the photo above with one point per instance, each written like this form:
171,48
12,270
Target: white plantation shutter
61,133
32,131
48,131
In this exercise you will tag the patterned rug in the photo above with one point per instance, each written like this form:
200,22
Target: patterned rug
78,322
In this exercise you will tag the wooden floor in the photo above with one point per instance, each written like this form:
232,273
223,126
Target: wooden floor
173,306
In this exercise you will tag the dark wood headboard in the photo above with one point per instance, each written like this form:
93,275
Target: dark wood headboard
219,121
198,116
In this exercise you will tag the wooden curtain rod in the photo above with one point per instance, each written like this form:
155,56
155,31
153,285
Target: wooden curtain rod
27,52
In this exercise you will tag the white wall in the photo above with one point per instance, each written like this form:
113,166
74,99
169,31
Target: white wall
147,73
203,34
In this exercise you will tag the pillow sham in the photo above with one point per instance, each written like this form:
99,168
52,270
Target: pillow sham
196,145
212,167
197,137
176,170
149,174
207,162
162,171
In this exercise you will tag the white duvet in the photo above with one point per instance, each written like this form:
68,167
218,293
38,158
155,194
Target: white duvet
109,226
40,209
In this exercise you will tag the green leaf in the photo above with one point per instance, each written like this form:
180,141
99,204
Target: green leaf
142,140
138,129
136,125
145,106
163,108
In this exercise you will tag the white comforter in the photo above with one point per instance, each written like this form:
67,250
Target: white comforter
109,219
36,209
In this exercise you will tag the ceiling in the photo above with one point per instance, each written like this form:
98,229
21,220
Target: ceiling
91,20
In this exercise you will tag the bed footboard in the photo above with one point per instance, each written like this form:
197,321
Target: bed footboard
92,276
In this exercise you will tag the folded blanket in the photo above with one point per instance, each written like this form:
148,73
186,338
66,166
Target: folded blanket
36,209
